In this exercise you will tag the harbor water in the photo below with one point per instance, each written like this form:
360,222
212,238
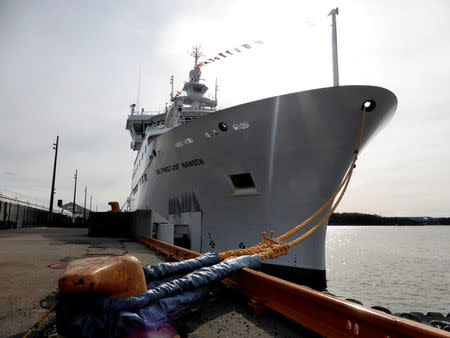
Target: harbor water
402,268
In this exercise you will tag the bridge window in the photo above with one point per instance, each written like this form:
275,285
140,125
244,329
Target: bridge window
197,89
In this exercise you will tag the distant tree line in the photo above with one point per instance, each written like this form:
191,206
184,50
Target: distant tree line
355,218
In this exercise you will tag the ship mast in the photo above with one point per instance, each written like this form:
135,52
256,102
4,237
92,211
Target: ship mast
196,54
215,92
333,13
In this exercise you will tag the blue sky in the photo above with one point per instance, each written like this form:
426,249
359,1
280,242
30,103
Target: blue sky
71,69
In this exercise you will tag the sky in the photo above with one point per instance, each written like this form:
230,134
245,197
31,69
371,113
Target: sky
72,68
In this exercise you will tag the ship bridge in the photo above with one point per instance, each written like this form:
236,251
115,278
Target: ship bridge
137,124
195,93
194,104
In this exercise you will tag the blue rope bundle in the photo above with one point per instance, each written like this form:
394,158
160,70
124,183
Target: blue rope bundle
171,288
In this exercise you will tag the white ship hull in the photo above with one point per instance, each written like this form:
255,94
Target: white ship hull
297,148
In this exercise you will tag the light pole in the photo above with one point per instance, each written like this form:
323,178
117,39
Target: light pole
74,193
84,209
52,193
333,13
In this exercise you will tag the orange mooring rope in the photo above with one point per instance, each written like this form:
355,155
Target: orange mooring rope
45,315
271,248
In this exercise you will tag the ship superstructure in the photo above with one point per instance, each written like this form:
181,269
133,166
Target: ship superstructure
144,126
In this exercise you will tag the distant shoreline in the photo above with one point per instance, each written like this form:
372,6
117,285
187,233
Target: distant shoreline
391,225
354,218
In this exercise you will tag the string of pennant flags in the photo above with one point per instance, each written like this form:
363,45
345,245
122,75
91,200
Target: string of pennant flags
223,55
228,53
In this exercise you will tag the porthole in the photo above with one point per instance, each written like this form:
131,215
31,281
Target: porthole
241,125
223,126
211,133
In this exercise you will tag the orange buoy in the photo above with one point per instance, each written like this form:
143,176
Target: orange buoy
114,277
114,206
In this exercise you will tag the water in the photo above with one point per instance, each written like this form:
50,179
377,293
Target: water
403,268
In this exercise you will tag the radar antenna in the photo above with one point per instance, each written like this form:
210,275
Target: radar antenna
196,54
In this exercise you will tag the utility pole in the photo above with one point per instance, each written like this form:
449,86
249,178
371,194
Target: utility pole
333,13
84,209
74,193
52,193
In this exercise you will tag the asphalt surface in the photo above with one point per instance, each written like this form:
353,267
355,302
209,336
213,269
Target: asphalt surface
28,285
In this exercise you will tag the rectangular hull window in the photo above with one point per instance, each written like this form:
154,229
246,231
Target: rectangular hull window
243,184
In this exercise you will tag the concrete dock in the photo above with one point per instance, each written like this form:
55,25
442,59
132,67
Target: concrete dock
28,286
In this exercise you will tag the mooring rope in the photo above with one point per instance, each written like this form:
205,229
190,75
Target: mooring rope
45,315
271,248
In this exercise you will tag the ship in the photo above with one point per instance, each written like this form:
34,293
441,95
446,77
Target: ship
215,179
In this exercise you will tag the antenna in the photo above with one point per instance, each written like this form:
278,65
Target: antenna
196,54
333,13
138,98
216,88
171,83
